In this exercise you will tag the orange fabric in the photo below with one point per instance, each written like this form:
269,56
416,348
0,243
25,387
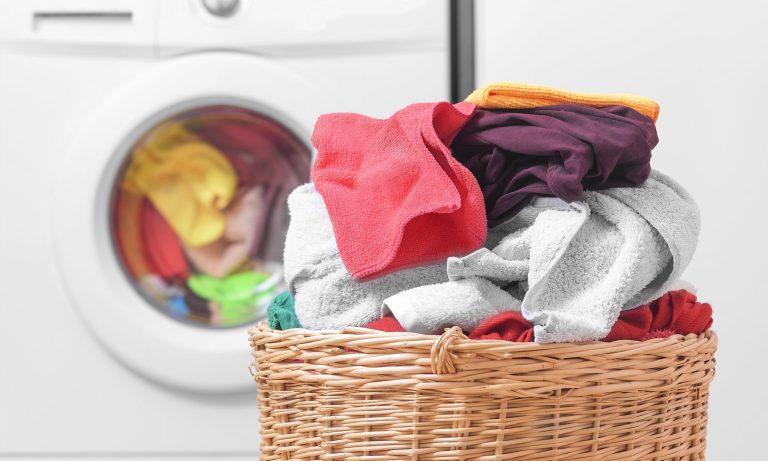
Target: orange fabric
509,95
127,225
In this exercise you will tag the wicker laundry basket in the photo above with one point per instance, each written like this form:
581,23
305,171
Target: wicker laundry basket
361,394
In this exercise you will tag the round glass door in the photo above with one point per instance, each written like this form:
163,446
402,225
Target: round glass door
198,213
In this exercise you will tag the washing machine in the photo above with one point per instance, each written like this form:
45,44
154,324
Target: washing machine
146,150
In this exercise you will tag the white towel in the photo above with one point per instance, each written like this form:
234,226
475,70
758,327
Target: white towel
614,250
472,294
583,273
673,213
429,309
326,296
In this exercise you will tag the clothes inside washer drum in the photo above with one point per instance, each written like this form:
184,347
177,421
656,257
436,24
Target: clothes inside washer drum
163,249
271,157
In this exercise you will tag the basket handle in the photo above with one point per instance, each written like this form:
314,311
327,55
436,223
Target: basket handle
440,355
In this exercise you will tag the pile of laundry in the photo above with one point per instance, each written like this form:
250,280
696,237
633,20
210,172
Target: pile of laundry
200,214
524,213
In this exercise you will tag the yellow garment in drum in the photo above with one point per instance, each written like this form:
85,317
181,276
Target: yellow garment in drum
188,181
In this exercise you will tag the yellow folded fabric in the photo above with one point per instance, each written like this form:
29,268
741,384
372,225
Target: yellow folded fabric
509,95
154,148
188,181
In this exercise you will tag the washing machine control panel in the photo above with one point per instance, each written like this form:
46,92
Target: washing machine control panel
269,27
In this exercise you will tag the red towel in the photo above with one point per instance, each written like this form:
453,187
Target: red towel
163,249
675,312
396,196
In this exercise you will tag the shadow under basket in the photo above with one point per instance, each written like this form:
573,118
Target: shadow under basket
361,394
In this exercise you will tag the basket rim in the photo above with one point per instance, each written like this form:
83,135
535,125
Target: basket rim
374,339
361,353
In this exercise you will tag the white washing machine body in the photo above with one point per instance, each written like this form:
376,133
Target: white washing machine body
90,368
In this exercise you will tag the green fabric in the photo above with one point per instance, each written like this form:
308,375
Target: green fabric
236,294
281,313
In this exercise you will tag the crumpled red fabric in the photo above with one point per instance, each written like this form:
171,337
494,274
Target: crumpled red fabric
395,195
657,334
506,326
678,311
161,244
675,312
388,324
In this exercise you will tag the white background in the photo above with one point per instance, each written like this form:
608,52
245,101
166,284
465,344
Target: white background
706,63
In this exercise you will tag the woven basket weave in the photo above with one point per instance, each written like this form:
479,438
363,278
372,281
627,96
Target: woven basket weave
362,394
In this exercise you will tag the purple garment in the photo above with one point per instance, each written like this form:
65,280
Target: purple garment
555,151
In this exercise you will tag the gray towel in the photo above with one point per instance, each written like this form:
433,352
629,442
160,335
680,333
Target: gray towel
326,296
616,249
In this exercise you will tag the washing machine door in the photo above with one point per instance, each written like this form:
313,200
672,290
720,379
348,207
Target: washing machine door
170,214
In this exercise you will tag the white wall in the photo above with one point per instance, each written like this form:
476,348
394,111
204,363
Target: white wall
706,63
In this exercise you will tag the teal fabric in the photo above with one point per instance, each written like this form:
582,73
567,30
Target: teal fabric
281,313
